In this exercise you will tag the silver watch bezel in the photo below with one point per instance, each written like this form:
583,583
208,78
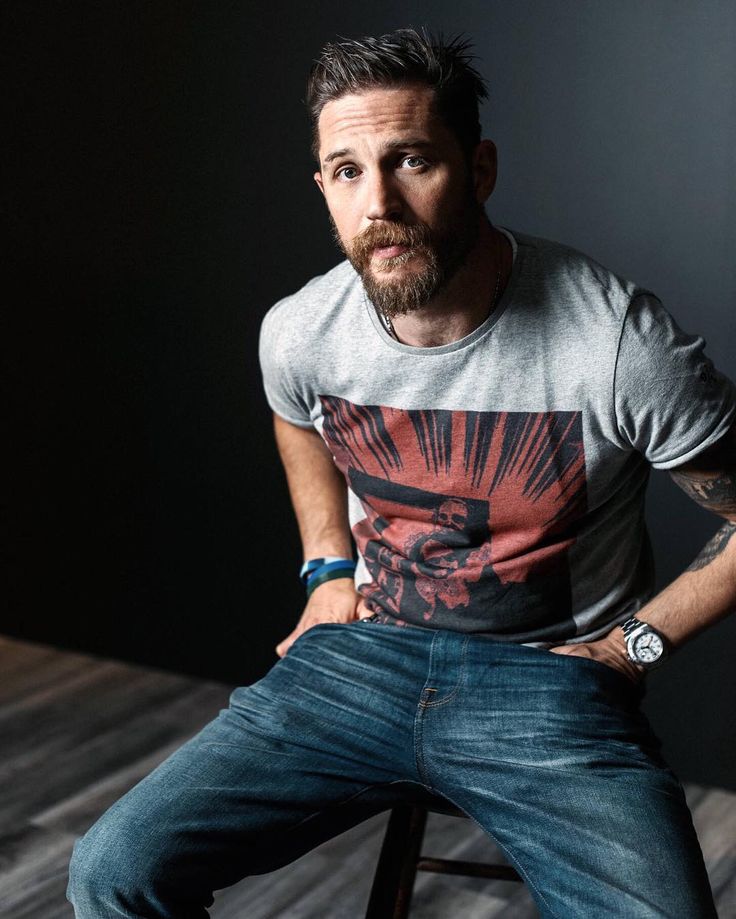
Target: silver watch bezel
634,633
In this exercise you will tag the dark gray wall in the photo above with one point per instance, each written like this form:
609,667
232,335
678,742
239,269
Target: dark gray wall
616,128
160,199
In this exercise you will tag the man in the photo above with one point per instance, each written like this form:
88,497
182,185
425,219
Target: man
493,403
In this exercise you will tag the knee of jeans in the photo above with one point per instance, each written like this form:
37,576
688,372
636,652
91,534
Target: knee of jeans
102,869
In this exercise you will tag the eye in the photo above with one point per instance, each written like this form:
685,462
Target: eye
342,173
421,161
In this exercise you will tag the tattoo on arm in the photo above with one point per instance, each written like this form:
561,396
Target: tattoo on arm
716,492
710,480
714,547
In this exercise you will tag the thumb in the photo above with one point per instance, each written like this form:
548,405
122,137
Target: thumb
284,646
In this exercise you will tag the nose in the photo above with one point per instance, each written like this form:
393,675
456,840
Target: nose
384,201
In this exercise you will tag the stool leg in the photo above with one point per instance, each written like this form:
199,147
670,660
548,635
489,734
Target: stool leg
393,882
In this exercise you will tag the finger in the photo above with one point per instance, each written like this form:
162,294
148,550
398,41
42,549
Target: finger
284,646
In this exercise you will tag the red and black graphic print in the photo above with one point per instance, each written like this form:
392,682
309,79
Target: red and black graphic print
468,515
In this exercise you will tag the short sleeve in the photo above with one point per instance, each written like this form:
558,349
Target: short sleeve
277,371
670,401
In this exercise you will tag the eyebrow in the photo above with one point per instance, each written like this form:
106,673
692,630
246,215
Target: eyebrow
389,145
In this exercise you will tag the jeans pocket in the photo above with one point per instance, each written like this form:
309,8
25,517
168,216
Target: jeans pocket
604,670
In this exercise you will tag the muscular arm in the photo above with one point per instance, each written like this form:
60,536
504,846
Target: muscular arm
319,498
706,591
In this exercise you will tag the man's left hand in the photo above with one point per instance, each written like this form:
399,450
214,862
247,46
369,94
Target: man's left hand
609,650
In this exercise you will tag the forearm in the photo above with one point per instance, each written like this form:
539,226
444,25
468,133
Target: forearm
700,596
319,497
706,592
317,490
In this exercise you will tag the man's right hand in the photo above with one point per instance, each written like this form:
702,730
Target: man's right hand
333,601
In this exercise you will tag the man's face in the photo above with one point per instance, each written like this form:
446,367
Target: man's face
402,200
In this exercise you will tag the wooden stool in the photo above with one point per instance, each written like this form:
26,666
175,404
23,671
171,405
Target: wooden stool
401,858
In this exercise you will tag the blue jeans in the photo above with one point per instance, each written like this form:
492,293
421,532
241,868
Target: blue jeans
548,753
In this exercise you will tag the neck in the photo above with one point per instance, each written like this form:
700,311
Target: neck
466,301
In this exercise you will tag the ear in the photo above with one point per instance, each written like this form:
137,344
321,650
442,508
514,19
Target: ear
485,170
318,180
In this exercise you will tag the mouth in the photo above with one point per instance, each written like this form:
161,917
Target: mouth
389,251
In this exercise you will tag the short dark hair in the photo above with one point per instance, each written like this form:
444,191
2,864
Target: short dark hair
403,56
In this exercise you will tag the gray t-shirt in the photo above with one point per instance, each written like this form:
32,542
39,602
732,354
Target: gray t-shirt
496,484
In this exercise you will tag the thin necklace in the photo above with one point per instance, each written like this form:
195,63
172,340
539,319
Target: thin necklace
390,326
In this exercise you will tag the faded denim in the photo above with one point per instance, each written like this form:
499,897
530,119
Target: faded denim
550,754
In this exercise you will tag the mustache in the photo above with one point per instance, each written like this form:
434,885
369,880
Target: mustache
413,236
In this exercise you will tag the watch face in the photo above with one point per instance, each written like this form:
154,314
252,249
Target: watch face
648,647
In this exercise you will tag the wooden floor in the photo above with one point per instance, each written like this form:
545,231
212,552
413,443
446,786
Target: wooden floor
76,732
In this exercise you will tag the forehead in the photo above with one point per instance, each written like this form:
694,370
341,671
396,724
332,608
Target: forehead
452,504
363,116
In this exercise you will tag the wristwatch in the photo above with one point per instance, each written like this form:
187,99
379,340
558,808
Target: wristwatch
644,644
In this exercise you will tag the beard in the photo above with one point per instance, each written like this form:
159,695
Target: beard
438,253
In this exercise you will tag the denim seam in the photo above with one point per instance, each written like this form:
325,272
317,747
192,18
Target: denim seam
457,686
418,728
418,754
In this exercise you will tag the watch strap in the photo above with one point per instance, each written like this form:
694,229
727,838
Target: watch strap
630,624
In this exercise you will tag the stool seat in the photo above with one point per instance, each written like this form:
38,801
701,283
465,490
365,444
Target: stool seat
401,858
